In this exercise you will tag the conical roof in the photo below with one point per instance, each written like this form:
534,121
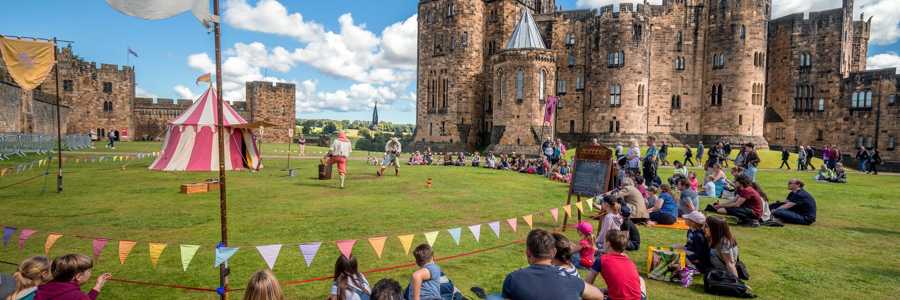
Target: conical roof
526,35
204,112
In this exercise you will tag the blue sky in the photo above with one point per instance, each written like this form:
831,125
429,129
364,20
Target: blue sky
342,54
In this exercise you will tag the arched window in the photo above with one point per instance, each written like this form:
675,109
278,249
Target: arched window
713,95
520,85
640,95
542,85
571,57
501,91
615,95
743,32
679,41
868,103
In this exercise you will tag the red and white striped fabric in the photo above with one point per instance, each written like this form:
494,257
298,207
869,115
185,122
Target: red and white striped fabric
191,142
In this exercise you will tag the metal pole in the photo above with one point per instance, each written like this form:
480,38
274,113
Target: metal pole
59,171
223,212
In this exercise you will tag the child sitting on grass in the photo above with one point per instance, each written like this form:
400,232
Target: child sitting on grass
585,248
425,282
564,258
69,273
619,272
31,273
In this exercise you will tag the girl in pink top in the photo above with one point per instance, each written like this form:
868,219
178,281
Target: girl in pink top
585,248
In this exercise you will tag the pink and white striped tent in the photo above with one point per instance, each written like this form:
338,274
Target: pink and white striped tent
191,142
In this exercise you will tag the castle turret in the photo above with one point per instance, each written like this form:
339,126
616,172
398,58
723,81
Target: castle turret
272,103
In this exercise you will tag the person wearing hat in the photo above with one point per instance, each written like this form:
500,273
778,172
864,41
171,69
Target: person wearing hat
391,152
340,151
697,247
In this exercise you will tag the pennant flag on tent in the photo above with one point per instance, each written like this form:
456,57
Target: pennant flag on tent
269,253
476,231
579,206
51,239
455,233
156,250
555,213
223,254
430,237
346,247
568,210
98,245
187,254
495,227
7,234
406,241
512,223
125,248
203,78
309,251
24,235
28,62
378,244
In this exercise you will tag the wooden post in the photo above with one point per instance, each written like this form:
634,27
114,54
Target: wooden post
59,169
223,200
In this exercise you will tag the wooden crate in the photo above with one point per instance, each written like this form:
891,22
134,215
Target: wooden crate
212,186
193,188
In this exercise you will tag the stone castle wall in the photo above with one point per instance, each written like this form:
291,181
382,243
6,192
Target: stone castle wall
29,111
272,103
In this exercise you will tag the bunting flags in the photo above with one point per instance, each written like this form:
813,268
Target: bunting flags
28,62
512,223
476,231
579,207
555,213
378,244
24,235
98,245
309,251
430,237
187,254
568,210
125,248
528,220
269,254
51,239
590,204
455,233
346,247
7,234
223,254
495,227
156,250
406,241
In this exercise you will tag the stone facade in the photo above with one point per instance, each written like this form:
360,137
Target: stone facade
685,70
272,103
29,111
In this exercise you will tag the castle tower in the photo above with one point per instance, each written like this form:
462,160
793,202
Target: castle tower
734,81
449,109
523,72
272,103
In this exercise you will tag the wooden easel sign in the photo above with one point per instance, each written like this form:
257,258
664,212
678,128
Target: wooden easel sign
593,168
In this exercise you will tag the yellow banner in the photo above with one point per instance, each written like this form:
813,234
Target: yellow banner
28,62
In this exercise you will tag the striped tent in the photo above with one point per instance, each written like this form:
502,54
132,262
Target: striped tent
191,142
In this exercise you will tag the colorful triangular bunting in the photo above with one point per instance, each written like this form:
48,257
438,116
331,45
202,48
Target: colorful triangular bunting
406,241
528,220
495,227
7,234
568,210
512,223
346,247
579,206
24,235
97,245
125,248
378,244
156,250
223,254
51,239
309,251
187,254
555,213
430,237
455,233
269,254
476,231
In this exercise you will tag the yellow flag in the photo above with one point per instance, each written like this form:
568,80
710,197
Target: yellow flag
590,204
528,219
51,239
406,241
378,244
430,237
568,209
579,206
156,250
28,62
125,248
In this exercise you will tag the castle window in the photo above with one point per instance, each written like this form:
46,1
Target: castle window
868,103
571,126
676,102
612,125
757,98
743,32
520,86
821,104
464,40
892,143
107,106
579,81
443,128
450,9
718,61
640,95
615,59
679,63
819,135
107,87
860,141
617,126
716,95
542,85
446,93
560,87
570,39
679,41
805,61
892,99
502,88
452,42
431,96
68,85
740,120
657,120
489,103
430,129
636,32
615,95
571,57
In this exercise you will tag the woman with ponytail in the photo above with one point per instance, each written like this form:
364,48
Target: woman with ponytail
32,272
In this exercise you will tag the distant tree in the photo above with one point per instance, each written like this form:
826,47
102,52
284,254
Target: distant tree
365,133
330,128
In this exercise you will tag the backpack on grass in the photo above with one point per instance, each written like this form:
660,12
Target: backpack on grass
722,283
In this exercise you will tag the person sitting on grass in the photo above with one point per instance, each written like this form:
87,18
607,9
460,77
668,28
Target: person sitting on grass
541,279
688,200
641,187
717,176
31,273
724,252
556,174
564,258
619,272
429,157
387,289
584,257
633,199
460,159
697,247
425,282
798,208
692,178
504,162
349,283
263,286
448,159
634,235
69,272
747,207
664,210
840,175
679,171
825,174
476,160
490,161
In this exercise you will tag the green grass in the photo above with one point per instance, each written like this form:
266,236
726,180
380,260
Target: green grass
852,252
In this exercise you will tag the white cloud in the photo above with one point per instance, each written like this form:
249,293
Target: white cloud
270,16
184,92
142,93
885,22
399,44
883,60
357,97
243,63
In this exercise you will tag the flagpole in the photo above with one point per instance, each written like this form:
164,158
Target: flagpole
223,212
59,171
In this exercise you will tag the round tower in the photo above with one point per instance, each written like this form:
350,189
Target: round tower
734,85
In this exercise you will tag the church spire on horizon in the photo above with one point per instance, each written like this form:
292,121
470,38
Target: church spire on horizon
374,117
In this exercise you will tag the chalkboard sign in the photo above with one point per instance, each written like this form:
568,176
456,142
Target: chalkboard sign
592,171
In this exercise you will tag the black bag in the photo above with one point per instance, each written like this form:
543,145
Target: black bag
722,283
743,273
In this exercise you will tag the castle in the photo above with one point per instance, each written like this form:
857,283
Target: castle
98,100
683,71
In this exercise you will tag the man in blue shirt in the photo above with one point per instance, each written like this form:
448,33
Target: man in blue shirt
541,280
799,208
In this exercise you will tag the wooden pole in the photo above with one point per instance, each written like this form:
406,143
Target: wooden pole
223,211
59,170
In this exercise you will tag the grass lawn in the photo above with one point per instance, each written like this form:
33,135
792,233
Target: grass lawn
852,252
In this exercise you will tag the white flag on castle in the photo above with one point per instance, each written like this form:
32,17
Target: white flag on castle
162,9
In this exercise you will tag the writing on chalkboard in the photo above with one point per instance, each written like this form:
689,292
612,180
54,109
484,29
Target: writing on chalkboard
590,177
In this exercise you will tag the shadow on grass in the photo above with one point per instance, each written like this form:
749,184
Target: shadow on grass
875,231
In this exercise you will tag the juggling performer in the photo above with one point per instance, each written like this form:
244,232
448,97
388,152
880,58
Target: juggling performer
391,156
340,151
